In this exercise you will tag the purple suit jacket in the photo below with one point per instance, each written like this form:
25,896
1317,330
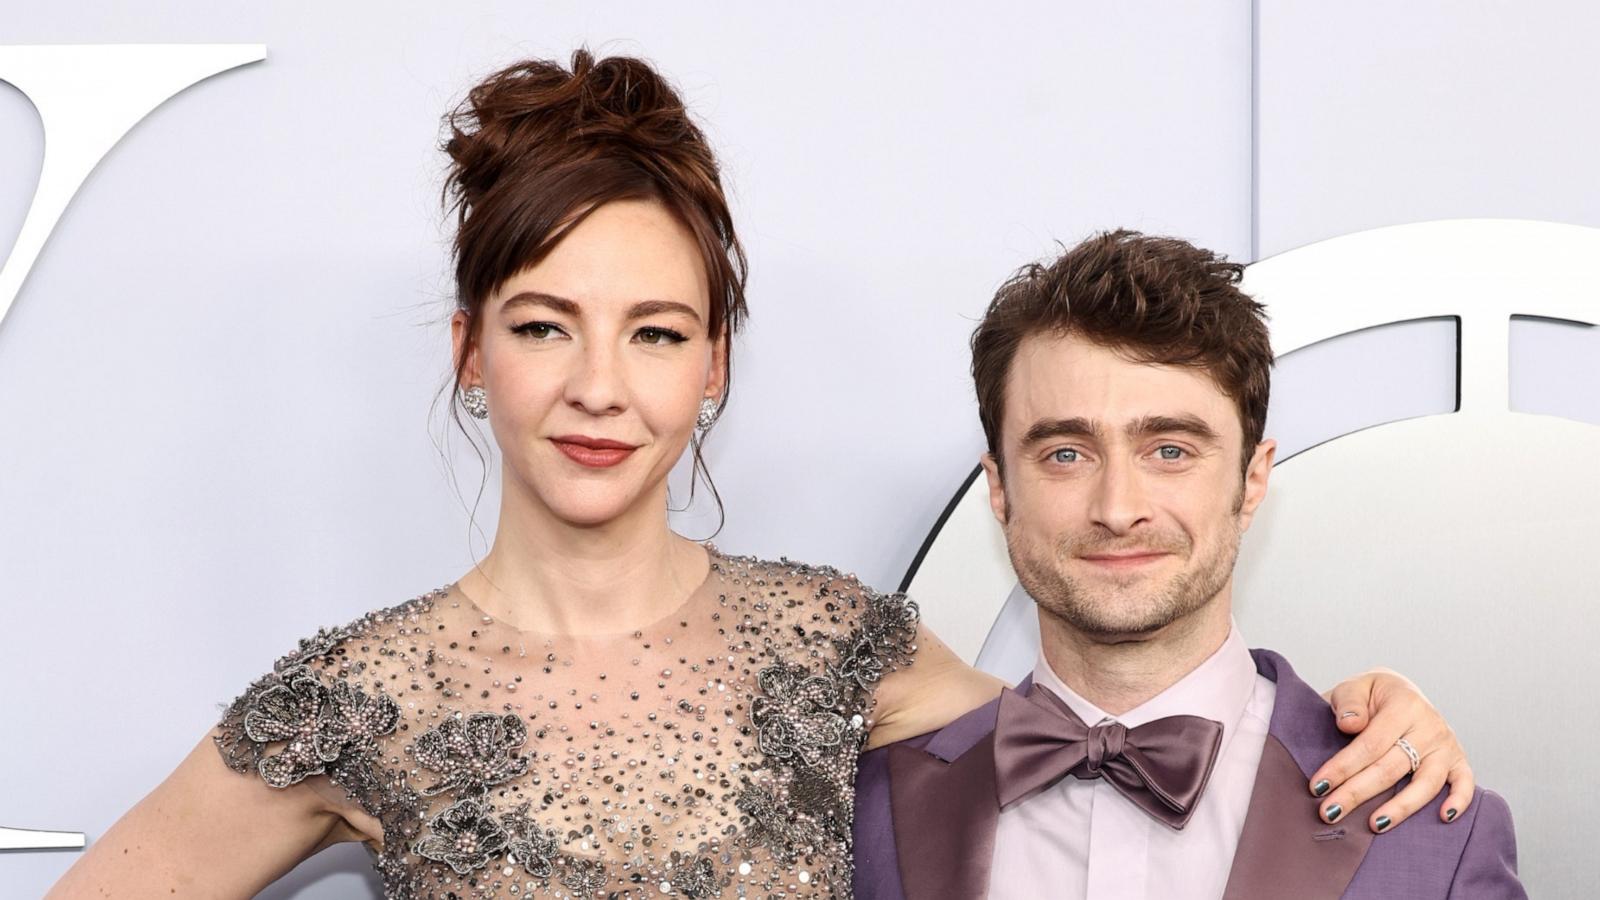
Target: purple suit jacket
926,812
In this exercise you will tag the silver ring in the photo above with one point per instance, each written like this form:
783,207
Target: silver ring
1411,753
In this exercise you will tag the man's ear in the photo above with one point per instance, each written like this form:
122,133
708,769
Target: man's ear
471,373
997,487
1255,481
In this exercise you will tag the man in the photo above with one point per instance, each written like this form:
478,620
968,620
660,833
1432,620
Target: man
1123,391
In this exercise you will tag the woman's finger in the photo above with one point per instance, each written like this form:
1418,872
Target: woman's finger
1367,748
1367,783
1463,786
1425,785
1350,701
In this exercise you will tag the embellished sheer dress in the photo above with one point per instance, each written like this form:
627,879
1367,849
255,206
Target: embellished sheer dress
710,754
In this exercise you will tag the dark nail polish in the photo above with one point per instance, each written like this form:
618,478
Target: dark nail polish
1332,813
1450,815
1320,788
1383,823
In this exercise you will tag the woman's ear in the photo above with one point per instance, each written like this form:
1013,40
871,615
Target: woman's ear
461,341
717,379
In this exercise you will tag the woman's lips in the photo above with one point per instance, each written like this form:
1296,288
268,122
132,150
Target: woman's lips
595,453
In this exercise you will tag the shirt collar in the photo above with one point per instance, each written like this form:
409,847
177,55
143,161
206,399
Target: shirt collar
1218,689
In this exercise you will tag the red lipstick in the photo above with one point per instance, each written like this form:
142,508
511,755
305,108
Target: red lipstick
595,453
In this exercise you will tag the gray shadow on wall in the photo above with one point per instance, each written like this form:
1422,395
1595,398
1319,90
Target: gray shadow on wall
343,870
21,159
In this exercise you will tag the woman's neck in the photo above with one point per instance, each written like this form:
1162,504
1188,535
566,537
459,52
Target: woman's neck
546,575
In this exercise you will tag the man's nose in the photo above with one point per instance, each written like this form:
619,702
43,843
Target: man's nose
1119,501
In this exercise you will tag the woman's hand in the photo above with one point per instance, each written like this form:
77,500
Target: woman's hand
1380,707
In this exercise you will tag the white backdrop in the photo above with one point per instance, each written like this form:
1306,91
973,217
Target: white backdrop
215,384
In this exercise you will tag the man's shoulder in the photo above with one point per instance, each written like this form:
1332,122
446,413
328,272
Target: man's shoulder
1301,720
1474,856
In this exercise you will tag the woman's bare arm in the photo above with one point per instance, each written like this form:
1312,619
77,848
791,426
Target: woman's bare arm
207,831
929,694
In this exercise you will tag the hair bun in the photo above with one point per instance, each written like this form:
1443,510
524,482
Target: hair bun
536,113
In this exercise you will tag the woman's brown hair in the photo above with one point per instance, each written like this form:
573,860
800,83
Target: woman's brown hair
535,148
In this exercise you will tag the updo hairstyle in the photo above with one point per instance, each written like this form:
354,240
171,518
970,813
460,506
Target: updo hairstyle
535,148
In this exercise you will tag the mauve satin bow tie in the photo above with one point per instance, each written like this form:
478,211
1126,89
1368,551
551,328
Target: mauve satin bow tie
1162,766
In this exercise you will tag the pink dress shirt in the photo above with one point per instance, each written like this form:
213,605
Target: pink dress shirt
1082,839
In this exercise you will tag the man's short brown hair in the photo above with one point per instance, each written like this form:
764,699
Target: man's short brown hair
1153,299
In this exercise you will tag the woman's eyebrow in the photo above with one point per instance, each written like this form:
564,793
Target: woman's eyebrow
646,308
535,298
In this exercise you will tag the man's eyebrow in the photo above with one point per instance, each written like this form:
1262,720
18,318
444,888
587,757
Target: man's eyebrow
645,308
1194,426
535,298
1080,427
1044,429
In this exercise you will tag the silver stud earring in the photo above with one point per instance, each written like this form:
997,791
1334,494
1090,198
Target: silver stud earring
476,402
708,414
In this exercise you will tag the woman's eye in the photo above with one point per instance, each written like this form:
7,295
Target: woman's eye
659,336
1171,454
1067,455
539,331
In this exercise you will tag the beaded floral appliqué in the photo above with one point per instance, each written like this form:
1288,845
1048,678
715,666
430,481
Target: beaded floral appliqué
798,715
466,836
318,724
473,753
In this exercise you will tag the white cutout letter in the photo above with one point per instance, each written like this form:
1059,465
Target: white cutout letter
88,97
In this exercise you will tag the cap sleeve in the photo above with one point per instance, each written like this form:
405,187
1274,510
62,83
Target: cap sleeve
310,716
859,636
882,633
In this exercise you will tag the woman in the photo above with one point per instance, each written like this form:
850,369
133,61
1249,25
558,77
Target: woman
600,707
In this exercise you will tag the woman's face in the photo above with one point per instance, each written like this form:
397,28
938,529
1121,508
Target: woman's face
595,362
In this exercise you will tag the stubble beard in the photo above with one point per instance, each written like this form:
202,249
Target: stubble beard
1121,606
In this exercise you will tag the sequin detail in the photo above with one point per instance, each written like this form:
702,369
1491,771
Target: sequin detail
711,754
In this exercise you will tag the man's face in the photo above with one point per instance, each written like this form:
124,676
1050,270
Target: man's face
1122,500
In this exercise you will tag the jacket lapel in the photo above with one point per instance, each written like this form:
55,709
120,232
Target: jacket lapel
944,821
1285,850
946,808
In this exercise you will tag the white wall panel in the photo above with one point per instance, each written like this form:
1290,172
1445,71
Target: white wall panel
1373,114
1381,113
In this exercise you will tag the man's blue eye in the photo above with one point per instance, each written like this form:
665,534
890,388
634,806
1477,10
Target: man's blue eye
1171,454
1066,456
